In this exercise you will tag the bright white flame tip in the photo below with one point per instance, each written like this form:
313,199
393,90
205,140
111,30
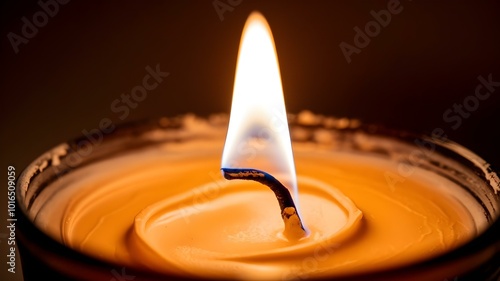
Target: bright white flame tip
258,135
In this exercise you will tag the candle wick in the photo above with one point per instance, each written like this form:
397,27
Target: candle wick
294,229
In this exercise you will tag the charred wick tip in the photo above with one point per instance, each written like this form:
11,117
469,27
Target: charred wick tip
282,194
295,230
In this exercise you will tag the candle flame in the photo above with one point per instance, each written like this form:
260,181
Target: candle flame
258,135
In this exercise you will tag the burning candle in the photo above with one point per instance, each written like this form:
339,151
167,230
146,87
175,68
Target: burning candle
157,203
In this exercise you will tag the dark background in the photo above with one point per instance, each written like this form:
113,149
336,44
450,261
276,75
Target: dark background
64,79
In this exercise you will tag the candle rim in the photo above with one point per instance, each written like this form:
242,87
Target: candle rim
42,164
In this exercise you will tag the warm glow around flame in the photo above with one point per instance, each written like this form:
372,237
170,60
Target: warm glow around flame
258,135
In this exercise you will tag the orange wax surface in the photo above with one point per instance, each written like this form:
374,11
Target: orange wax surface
168,209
